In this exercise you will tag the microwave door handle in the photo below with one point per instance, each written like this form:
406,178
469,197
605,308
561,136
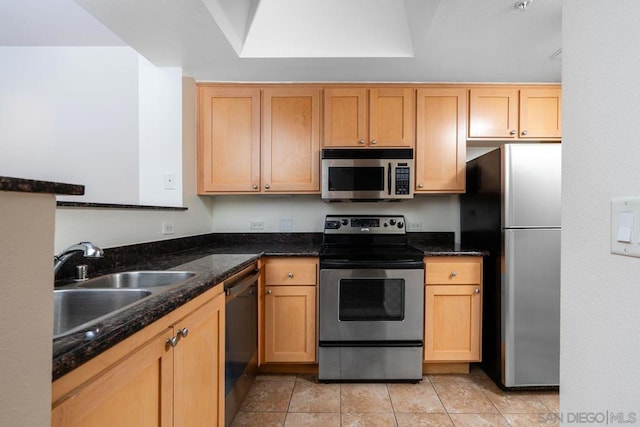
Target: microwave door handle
389,178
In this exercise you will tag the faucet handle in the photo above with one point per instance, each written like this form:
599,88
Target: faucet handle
91,250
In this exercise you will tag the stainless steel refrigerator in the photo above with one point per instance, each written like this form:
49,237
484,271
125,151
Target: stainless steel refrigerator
512,209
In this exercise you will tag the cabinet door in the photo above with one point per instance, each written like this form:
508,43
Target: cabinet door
441,140
541,113
199,367
345,117
452,323
290,319
228,139
493,113
135,392
391,117
291,140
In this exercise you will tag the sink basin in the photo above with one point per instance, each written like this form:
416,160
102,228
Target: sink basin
76,309
138,279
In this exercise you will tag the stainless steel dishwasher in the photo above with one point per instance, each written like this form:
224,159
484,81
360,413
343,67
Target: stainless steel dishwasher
241,340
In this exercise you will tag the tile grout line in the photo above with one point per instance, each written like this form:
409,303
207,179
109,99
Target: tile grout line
475,384
393,408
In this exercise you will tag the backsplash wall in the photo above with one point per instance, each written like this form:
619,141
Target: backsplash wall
307,212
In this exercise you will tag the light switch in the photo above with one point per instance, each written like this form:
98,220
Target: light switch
625,239
625,226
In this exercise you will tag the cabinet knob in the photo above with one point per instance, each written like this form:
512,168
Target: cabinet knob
374,142
361,142
477,291
454,273
524,133
290,274
513,132
171,342
183,332
267,186
254,186
268,291
420,185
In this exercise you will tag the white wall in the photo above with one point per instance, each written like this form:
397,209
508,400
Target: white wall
160,143
26,308
103,117
600,337
70,114
110,227
234,213
106,118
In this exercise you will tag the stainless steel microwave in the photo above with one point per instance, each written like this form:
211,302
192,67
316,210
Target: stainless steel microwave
367,174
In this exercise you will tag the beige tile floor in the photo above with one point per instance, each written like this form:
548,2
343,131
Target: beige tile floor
438,400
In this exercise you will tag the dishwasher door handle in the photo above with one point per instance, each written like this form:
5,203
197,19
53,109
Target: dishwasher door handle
236,288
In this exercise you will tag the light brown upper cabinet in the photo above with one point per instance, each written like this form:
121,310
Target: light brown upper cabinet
228,140
441,127
361,117
237,155
291,140
515,113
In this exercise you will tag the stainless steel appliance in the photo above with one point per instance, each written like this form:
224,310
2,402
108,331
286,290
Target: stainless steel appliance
512,209
241,340
367,174
371,301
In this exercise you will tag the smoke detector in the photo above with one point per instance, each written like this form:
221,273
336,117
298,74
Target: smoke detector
522,5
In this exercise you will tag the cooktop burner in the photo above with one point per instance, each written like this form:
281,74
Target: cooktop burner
367,239
378,252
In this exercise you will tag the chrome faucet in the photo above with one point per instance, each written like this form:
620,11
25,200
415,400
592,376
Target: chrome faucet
89,251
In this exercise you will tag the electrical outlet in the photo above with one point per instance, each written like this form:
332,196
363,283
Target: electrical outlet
414,226
167,227
256,225
286,224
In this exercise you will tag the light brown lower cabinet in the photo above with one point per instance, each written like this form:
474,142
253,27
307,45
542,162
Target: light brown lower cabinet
147,382
453,309
289,325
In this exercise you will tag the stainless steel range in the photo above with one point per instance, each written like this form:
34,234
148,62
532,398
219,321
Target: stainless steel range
371,301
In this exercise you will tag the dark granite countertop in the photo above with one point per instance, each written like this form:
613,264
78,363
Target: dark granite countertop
215,258
72,350
213,263
33,186
449,250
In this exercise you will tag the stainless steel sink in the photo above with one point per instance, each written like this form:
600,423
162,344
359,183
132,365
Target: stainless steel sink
82,305
138,279
77,309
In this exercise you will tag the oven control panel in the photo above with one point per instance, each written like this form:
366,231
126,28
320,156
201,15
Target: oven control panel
364,224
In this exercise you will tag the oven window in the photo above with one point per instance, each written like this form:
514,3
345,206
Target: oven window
371,299
359,178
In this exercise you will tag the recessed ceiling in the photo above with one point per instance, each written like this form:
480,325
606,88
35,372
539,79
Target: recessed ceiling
302,40
314,29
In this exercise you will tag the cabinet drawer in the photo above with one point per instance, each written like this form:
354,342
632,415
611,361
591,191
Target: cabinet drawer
453,270
286,272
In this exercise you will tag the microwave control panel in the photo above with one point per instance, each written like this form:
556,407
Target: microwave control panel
402,180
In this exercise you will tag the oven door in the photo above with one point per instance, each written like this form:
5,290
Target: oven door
374,305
